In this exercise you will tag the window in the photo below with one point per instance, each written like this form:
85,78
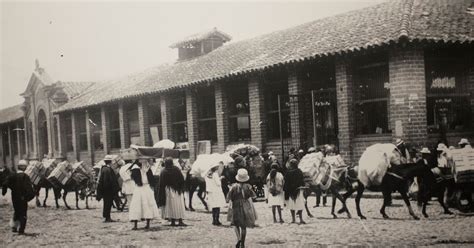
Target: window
6,150
68,131
239,111
447,91
274,86
179,117
81,129
114,128
95,124
156,130
371,98
206,104
133,124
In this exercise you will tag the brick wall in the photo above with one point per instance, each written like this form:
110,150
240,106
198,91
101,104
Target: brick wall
144,122
192,122
257,112
361,143
165,117
344,83
222,117
408,94
124,134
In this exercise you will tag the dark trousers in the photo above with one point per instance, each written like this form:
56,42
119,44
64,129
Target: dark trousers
318,197
108,201
20,208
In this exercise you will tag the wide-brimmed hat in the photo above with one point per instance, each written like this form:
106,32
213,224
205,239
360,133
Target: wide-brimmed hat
425,150
109,157
135,167
300,151
242,176
311,149
270,153
441,147
464,141
22,164
399,142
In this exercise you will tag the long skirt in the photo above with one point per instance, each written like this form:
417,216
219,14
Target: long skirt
216,199
296,204
174,207
242,213
143,205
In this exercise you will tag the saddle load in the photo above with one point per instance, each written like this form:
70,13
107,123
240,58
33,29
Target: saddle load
375,161
61,174
36,171
321,170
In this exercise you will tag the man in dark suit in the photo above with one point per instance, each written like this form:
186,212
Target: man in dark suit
107,187
21,192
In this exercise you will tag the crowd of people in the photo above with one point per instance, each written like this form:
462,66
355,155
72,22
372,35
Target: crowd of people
284,188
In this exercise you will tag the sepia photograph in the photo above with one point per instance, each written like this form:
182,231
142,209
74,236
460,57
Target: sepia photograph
237,123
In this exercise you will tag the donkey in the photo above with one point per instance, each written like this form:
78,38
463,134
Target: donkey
81,183
194,182
432,183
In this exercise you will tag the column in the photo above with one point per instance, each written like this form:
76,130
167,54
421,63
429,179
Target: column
192,122
75,136
61,136
18,140
105,129
144,122
27,145
124,135
166,118
222,117
345,115
90,144
257,112
408,94
10,147
2,151
295,89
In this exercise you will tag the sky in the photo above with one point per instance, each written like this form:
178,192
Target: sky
96,41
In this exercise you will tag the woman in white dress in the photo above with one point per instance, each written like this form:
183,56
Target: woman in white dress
276,195
128,185
215,196
143,205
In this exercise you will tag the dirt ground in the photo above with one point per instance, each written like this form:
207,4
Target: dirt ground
61,227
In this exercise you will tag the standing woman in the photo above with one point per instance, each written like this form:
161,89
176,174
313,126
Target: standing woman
142,205
127,184
294,180
242,214
276,196
215,196
170,196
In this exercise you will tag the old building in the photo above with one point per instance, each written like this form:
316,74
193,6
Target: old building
402,68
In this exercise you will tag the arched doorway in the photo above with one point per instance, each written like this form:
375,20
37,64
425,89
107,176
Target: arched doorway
42,134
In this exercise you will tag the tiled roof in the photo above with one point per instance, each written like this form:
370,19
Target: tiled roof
434,20
201,36
73,89
10,114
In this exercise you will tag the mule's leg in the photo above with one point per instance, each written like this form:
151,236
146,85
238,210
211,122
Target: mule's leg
386,201
333,205
344,197
201,197
38,203
45,197
87,202
57,195
307,193
423,208
192,188
404,195
441,202
336,194
77,199
360,192
64,200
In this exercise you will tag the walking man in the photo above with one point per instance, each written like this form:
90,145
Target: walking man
22,192
107,188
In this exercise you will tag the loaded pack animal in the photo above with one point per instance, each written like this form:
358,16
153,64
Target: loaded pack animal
432,183
325,173
81,182
49,164
381,168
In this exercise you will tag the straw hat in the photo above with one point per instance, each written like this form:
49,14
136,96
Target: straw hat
270,153
399,142
441,147
311,149
464,141
425,150
242,176
135,167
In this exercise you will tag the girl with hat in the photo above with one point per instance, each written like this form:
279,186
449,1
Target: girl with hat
170,196
242,214
294,181
215,197
276,197
142,205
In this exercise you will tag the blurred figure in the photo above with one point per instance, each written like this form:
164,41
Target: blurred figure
107,188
